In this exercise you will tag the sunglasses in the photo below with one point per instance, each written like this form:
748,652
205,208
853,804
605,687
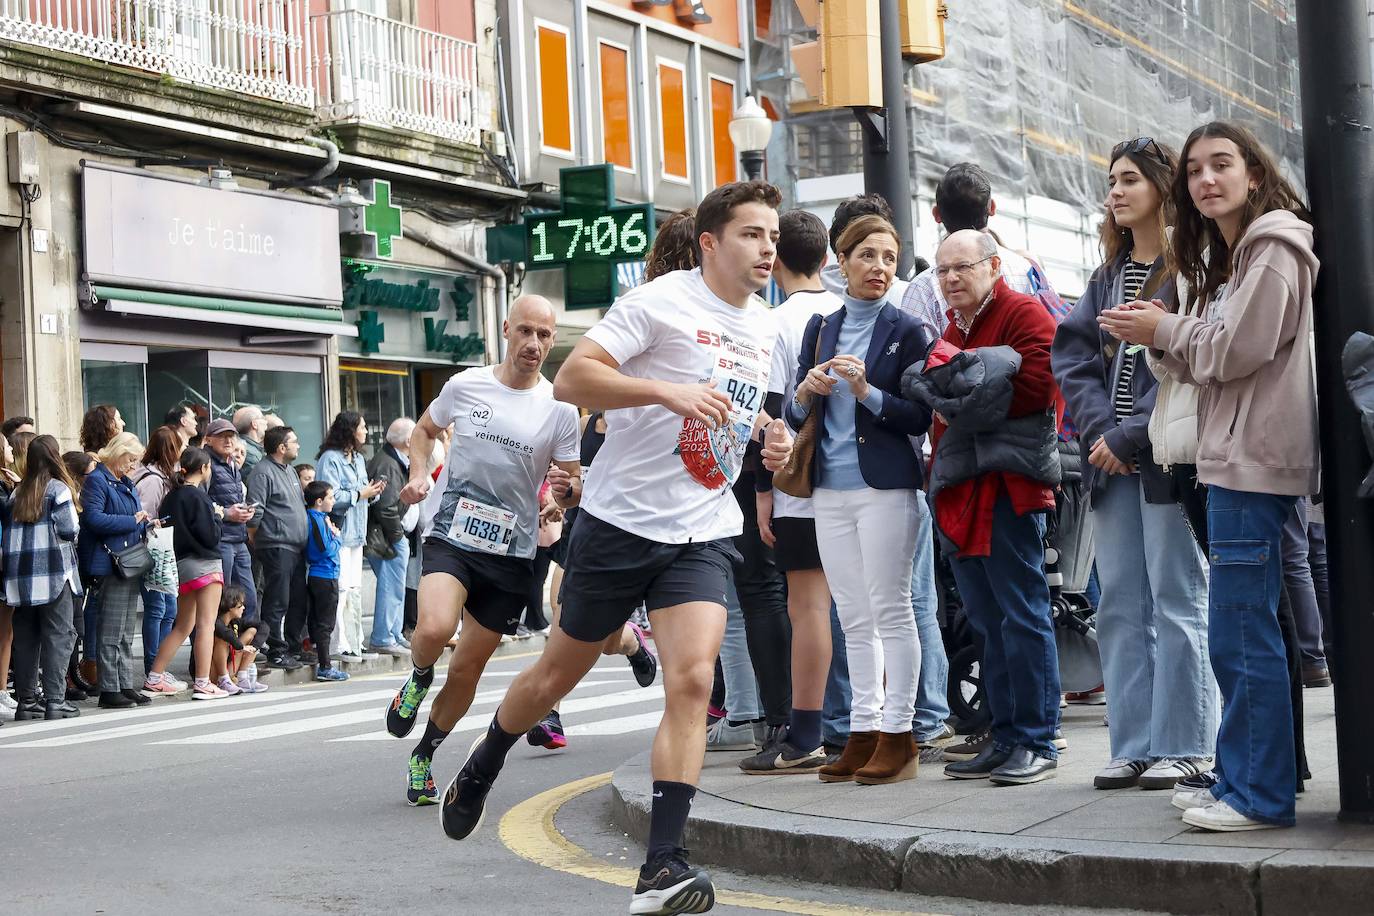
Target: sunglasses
1145,145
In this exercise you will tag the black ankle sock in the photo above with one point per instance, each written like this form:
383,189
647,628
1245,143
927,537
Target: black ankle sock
672,801
490,755
423,676
804,729
434,736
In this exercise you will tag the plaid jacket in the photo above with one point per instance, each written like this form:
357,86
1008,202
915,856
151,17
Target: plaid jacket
40,558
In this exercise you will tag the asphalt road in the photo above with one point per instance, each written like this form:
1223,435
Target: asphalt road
294,802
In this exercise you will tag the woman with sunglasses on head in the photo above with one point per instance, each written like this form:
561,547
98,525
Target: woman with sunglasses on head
1243,244
1152,617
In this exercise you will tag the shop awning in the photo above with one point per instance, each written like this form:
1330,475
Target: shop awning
248,313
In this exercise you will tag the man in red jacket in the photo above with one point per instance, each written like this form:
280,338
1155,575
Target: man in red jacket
997,522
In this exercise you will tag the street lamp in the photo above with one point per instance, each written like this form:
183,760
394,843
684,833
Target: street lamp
750,129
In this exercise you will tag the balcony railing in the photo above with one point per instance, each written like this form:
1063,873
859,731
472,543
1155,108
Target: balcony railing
255,47
388,73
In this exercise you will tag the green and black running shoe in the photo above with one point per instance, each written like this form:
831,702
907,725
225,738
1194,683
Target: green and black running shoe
401,714
421,790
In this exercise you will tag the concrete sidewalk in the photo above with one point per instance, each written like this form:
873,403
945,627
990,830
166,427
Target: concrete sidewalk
1059,841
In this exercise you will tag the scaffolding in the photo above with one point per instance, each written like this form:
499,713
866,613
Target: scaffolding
1038,91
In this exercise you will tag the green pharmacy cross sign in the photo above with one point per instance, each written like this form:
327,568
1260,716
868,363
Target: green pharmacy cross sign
588,236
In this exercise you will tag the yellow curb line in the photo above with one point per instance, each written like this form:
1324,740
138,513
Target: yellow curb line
528,831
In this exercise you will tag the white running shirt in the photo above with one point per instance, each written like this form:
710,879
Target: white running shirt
792,316
660,476
487,498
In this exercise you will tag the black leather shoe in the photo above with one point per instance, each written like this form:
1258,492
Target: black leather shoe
63,710
979,767
28,708
137,698
1023,767
115,700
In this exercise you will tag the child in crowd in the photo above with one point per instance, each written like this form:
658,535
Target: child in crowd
322,585
306,473
236,673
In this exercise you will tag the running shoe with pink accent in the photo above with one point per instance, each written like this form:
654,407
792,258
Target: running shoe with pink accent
207,691
229,686
159,688
643,662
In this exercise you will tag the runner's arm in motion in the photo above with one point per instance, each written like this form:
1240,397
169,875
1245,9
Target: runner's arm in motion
565,482
421,447
591,378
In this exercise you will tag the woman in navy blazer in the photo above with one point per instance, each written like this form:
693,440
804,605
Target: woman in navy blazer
867,480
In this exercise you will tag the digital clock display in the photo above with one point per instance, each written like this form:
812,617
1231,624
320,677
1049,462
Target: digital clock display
558,238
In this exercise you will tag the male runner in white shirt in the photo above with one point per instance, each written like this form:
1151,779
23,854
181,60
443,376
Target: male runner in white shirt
680,365
483,520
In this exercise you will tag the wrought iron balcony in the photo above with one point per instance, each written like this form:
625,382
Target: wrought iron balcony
256,47
379,71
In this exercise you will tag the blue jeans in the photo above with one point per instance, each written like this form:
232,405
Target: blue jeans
1152,627
159,613
835,704
388,613
238,570
932,697
741,690
1255,757
1007,602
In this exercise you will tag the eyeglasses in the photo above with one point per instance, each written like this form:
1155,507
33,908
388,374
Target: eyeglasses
962,270
1145,145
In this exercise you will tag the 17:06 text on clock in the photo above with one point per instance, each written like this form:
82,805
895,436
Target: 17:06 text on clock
570,238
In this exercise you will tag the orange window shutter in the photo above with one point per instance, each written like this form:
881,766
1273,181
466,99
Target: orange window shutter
555,101
722,150
672,102
617,140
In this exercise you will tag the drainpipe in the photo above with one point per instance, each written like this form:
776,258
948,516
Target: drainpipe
495,343
331,162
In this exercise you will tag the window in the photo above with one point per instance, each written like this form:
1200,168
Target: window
617,128
555,88
380,392
106,381
722,109
287,386
672,121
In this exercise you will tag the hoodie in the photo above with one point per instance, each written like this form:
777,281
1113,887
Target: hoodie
1251,353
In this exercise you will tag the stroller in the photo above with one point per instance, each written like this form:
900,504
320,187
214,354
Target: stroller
1068,568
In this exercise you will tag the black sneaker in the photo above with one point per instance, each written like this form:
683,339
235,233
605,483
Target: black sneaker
401,714
138,698
287,662
668,884
465,800
971,747
783,758
643,662
1205,780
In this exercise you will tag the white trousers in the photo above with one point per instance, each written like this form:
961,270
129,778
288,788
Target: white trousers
349,630
867,539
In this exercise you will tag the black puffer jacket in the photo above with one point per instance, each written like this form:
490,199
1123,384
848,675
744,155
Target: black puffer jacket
973,391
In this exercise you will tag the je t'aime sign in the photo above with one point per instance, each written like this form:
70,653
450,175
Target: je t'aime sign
150,232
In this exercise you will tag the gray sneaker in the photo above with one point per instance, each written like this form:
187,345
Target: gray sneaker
722,736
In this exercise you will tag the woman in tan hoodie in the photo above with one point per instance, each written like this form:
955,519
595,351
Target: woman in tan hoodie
1243,244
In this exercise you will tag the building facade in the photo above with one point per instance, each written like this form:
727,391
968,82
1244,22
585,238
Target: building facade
222,202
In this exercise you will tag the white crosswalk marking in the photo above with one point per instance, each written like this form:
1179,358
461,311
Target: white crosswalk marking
310,709
474,721
621,726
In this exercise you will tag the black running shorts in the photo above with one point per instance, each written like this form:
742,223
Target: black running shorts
610,572
796,544
497,587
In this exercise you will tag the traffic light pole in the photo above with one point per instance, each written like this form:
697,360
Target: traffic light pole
1338,141
887,146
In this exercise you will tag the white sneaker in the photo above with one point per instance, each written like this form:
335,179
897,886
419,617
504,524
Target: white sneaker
177,684
1169,770
1120,773
7,702
1187,799
722,736
1221,817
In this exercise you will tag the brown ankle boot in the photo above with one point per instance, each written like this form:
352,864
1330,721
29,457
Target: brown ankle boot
893,761
89,672
857,751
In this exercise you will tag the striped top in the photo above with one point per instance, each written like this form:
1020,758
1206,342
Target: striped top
1123,400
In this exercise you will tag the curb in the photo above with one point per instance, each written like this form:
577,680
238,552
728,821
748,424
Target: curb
1230,880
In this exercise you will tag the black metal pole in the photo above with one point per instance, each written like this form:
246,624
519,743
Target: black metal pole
1338,142
752,160
887,150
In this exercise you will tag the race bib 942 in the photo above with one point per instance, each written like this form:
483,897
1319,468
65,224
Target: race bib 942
714,456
